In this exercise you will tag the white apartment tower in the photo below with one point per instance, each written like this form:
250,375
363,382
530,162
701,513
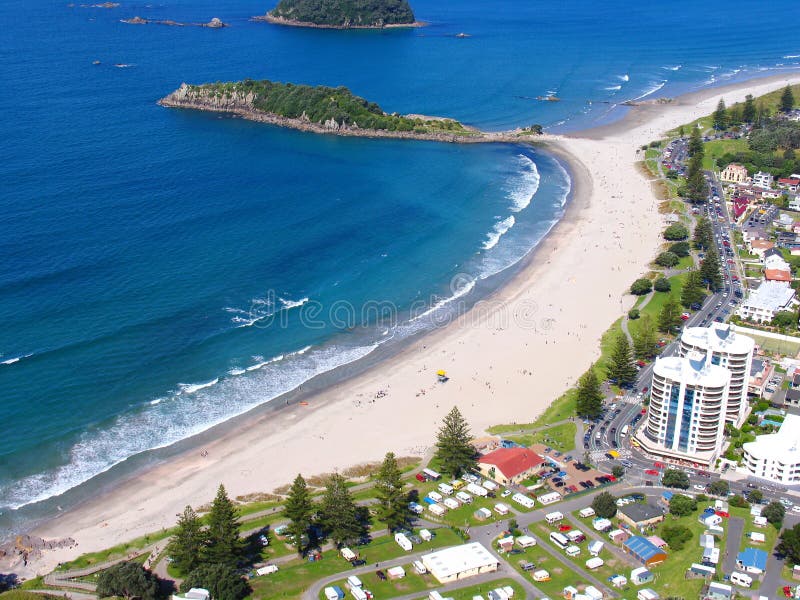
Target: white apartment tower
688,402
722,346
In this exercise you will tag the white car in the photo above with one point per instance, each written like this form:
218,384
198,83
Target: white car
796,509
505,494
699,487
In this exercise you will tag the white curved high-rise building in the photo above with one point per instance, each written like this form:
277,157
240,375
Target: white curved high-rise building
724,347
775,456
688,401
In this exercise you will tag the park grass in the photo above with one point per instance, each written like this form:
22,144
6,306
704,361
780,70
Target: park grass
560,437
297,575
774,346
130,548
716,148
656,303
409,584
613,564
770,533
560,575
467,593
509,428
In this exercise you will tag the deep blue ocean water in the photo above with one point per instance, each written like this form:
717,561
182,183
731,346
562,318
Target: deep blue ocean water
164,270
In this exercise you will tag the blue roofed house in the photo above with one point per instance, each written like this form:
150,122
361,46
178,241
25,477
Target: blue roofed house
752,560
643,550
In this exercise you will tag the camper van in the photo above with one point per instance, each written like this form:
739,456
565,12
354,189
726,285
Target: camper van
403,541
353,582
559,539
587,512
741,579
419,567
431,474
501,509
464,497
572,551
435,496
446,489
554,517
477,490
451,503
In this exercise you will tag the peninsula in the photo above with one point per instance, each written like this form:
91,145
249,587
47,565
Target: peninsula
342,14
323,109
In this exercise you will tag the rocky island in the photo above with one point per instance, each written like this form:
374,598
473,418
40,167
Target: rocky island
317,109
342,14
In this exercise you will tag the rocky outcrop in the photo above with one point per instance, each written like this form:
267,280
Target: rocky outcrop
214,23
240,104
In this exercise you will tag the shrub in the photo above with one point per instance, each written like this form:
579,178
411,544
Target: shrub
633,314
676,233
662,284
667,259
641,286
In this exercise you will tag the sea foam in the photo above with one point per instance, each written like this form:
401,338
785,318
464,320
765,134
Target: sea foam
523,188
500,228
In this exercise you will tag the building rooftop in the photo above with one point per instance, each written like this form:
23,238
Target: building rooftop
777,275
642,547
512,461
783,445
693,369
770,295
639,513
752,557
718,337
457,559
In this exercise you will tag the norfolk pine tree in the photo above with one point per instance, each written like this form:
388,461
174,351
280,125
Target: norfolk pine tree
392,506
589,400
454,452
339,513
186,546
224,546
787,99
749,109
299,509
620,364
720,117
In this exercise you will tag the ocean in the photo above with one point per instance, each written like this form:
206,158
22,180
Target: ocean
164,271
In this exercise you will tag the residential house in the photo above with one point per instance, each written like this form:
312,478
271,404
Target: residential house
763,180
789,183
734,173
640,515
510,465
759,246
752,560
760,372
770,298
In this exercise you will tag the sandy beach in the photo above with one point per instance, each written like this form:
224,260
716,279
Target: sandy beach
507,358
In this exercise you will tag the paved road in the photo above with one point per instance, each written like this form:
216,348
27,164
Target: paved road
735,527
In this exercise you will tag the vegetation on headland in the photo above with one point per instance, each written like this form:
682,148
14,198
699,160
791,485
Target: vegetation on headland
327,107
344,13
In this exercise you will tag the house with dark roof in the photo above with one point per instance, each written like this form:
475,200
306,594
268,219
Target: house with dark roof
510,465
643,550
640,515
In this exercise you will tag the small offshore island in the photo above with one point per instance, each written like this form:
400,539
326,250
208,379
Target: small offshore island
342,14
323,109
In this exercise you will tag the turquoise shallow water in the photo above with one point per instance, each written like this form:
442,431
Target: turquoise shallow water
164,270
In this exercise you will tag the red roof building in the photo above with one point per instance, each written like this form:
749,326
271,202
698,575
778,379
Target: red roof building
777,275
790,183
510,465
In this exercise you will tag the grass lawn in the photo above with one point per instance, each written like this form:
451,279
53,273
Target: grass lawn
770,533
685,262
509,428
560,575
669,575
466,593
776,346
297,575
716,148
118,551
561,437
409,584
613,565
653,308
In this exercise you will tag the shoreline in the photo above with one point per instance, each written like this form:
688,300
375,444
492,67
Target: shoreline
585,255
268,18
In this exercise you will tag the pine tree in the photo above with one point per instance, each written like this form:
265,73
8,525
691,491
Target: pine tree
710,269
392,501
299,509
696,187
693,291
620,365
720,117
703,234
224,544
644,342
454,452
186,546
339,515
749,110
787,99
669,316
589,398
695,142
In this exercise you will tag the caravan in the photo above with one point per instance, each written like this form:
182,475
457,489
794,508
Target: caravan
559,539
554,517
741,579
